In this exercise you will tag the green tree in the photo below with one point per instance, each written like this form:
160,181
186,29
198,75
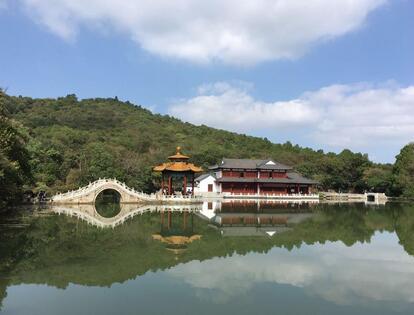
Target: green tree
404,171
14,158
379,178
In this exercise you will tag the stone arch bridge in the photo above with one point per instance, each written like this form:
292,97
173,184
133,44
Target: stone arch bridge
88,194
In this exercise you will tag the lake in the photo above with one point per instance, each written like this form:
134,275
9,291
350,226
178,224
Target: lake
216,258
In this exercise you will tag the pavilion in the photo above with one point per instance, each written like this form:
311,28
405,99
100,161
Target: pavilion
178,168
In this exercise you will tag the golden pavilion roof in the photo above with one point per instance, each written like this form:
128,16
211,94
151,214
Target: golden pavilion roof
178,155
176,239
178,163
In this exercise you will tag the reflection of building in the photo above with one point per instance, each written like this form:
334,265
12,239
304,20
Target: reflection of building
255,218
178,168
253,177
177,231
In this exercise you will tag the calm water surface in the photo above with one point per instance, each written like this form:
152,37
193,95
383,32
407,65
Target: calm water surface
239,258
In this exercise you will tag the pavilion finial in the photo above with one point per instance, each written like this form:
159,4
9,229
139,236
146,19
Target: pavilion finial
178,150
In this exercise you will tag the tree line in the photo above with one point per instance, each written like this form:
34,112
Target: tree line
60,144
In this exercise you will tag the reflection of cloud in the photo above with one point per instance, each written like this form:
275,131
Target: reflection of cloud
379,271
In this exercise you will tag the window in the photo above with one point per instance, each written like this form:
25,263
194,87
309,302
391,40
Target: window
210,187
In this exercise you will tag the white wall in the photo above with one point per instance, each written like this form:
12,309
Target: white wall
202,187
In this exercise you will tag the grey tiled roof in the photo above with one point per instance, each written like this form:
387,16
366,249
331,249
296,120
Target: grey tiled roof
203,176
299,178
251,164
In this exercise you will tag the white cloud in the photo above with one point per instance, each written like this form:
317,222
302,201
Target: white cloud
359,115
355,116
380,271
231,107
231,31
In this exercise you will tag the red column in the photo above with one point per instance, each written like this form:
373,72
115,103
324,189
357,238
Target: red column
169,185
185,221
192,185
185,185
162,184
169,219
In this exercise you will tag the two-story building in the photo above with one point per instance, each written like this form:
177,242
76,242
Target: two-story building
253,177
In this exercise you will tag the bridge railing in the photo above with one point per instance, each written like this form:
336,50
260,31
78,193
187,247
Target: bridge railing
94,185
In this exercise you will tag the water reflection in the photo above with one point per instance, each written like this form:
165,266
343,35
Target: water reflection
90,213
176,231
107,203
218,257
345,276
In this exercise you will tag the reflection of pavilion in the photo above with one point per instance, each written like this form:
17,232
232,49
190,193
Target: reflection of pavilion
176,230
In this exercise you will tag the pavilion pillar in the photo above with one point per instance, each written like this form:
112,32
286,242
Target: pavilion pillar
162,184
185,185
297,189
169,185
192,185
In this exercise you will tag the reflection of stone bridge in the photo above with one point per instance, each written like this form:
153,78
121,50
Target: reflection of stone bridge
88,213
88,194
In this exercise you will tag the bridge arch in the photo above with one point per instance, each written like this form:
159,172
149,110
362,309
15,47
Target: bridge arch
108,203
112,187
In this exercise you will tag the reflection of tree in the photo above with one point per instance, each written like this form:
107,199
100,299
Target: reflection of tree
343,223
3,290
404,226
57,250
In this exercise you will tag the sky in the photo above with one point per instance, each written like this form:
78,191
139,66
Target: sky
319,73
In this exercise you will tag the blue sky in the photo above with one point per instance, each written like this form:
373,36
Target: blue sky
331,75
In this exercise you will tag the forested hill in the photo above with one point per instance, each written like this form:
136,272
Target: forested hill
70,142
